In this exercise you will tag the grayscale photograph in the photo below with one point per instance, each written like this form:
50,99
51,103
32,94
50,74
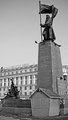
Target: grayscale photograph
34,60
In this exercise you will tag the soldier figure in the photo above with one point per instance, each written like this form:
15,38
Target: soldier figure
48,32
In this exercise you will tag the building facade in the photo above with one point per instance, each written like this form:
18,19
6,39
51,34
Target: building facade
63,82
25,78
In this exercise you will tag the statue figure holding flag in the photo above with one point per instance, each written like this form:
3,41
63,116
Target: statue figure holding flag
48,32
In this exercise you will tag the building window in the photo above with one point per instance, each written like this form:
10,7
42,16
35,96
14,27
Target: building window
16,80
36,81
8,82
0,82
36,76
25,93
21,77
25,87
30,77
20,93
21,82
30,69
25,77
12,73
21,71
3,89
30,87
4,84
0,94
35,69
8,73
0,89
25,70
4,81
25,80
30,81
20,88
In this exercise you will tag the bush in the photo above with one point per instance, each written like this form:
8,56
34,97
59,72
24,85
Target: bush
18,103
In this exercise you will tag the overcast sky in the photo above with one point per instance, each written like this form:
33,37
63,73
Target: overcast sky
20,28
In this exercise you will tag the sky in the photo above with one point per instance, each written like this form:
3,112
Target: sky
20,28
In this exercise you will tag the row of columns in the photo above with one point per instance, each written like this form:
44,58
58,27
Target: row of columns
20,80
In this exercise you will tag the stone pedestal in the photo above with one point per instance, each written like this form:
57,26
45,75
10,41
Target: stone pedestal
49,65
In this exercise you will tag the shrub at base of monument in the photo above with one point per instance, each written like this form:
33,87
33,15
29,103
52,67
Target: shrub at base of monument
20,112
18,103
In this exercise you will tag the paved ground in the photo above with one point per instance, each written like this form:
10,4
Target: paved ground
50,118
7,118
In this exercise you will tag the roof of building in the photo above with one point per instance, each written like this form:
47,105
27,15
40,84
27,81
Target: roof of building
47,92
17,67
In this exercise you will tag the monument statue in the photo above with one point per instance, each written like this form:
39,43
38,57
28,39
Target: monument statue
49,57
48,32
13,91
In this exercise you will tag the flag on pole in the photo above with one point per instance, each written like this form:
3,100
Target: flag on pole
44,9
40,18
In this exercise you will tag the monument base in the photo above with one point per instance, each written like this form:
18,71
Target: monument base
49,65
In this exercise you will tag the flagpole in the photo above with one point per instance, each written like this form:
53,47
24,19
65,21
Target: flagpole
40,18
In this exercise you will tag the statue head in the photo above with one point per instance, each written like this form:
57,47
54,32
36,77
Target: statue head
47,17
